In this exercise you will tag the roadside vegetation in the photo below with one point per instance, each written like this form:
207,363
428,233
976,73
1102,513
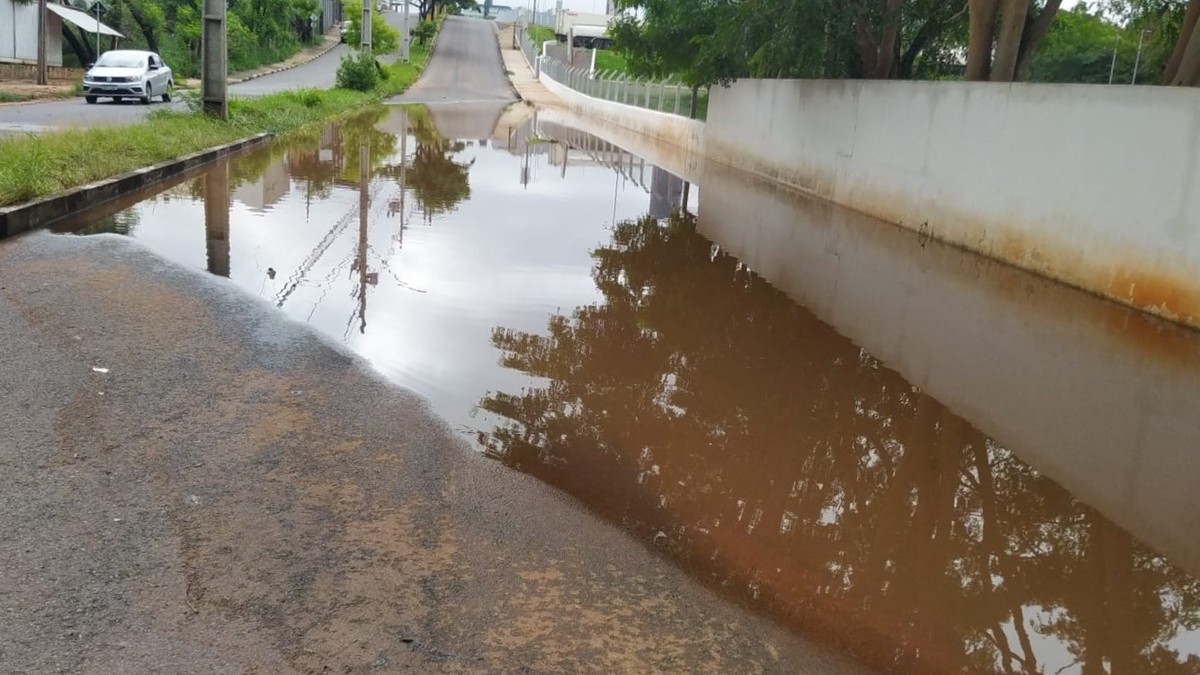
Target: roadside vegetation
611,61
540,34
712,42
37,166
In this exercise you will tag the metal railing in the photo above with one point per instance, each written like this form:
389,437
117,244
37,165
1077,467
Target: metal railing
661,95
532,51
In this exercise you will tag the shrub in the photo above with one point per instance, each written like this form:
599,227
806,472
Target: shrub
359,73
424,30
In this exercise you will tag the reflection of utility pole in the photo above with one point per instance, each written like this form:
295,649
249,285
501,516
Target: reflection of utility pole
216,219
364,203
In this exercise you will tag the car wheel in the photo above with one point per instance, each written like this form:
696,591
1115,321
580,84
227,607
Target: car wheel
149,92
166,95
89,99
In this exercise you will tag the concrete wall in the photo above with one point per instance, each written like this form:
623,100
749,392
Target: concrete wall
686,135
18,34
1096,396
1095,186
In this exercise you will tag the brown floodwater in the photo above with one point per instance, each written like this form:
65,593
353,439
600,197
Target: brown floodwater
931,461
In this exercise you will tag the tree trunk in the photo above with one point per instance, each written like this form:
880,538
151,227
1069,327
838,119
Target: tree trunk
982,19
868,53
1008,42
83,50
145,26
1185,36
1034,32
1188,72
889,41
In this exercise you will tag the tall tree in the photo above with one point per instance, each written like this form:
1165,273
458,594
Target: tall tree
678,38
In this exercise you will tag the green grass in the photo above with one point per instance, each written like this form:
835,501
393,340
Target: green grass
32,167
9,97
609,61
540,34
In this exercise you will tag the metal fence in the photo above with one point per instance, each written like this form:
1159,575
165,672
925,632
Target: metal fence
661,95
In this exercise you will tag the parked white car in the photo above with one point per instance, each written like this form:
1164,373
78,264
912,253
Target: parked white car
128,73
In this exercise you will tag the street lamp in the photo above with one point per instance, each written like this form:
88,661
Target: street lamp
1138,60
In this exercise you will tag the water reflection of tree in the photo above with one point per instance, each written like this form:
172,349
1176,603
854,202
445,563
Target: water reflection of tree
702,409
438,182
124,221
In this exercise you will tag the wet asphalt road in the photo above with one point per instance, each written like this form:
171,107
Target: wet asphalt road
468,67
36,117
190,482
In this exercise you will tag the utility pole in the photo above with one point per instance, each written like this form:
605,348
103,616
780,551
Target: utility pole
41,44
213,60
406,37
364,27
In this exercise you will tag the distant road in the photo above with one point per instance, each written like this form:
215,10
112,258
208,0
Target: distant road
319,72
466,68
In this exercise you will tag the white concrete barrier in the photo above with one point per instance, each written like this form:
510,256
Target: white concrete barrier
685,134
1096,186
1096,396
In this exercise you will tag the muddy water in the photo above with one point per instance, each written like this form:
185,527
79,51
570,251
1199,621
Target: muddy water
935,463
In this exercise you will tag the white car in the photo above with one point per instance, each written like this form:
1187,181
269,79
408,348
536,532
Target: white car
128,73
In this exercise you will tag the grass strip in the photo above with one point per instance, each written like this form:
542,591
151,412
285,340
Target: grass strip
35,166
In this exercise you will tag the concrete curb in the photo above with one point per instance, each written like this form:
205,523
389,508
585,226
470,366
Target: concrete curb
42,212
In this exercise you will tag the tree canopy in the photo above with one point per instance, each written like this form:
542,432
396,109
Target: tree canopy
708,42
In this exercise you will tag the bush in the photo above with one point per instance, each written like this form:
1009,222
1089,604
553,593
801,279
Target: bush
384,38
359,73
424,30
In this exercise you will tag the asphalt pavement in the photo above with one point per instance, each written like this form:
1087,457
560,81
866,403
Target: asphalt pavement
467,67
35,117
191,482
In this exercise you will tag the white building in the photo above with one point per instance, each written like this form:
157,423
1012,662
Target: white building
19,30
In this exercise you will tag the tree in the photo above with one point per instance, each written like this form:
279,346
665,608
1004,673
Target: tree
1079,48
384,38
678,38
1004,34
1174,33
698,407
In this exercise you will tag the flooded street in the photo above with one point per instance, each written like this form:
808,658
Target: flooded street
926,460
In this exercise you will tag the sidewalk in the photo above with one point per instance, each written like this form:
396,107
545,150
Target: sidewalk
521,75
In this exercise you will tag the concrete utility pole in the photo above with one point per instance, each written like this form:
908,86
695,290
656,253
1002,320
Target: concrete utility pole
41,44
364,27
213,60
406,35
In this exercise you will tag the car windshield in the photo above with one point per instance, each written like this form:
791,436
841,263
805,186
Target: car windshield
111,60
